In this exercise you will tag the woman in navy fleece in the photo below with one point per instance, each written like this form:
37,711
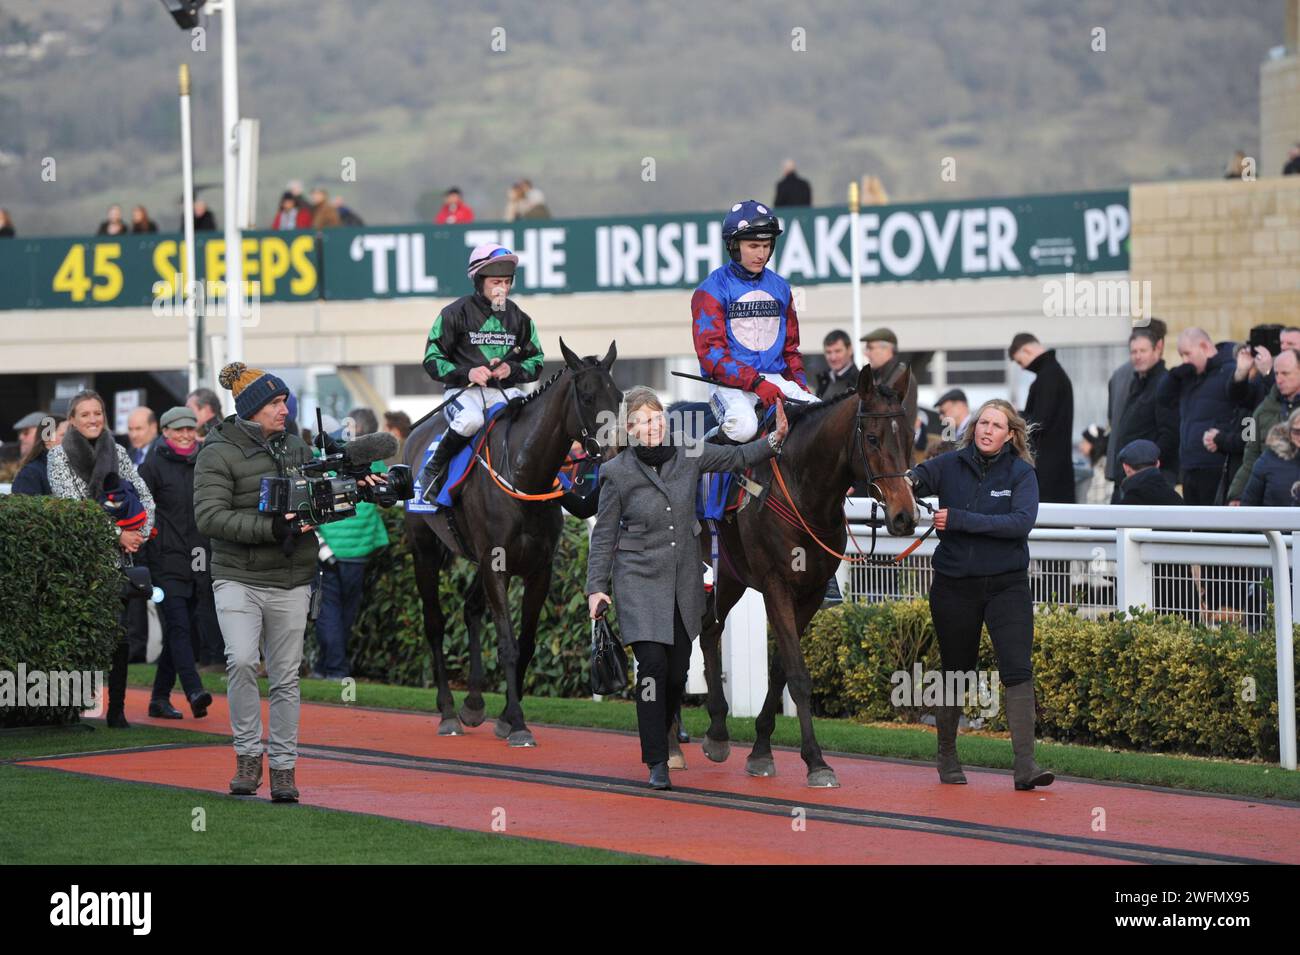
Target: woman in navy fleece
988,502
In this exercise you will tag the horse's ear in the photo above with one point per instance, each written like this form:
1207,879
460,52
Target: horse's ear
866,381
608,361
570,359
900,379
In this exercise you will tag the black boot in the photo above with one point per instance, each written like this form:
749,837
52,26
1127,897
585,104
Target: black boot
659,776
833,595
116,717
1020,719
946,720
435,472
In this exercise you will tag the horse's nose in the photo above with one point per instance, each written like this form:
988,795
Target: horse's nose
902,524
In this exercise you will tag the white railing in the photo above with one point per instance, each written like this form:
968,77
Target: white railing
1207,563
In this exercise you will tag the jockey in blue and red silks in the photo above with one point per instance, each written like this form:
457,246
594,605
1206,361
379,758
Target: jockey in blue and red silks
745,328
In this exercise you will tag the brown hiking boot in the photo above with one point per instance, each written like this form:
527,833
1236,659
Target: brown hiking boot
282,786
248,775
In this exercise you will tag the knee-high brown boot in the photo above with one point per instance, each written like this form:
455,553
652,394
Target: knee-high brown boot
1020,717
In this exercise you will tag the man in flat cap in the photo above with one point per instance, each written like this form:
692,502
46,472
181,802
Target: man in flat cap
37,433
1143,483
882,355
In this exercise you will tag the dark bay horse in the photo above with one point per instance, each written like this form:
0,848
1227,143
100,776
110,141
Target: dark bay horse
505,535
861,439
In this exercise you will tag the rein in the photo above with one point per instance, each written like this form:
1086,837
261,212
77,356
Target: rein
869,557
586,436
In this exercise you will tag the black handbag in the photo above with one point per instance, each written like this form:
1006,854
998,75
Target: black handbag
608,660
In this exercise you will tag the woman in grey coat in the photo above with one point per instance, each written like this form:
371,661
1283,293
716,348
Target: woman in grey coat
646,541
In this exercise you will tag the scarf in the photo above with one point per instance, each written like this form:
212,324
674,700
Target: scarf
654,456
92,461
183,452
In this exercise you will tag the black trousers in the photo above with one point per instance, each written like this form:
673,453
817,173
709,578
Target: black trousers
208,644
959,606
1201,485
121,657
137,630
660,682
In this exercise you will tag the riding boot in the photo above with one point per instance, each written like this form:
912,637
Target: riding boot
833,595
435,472
1020,718
718,436
946,720
116,715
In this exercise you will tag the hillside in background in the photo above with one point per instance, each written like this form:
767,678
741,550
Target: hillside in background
584,91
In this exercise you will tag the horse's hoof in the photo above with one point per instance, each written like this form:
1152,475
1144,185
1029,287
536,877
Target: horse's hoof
760,766
716,749
472,717
521,738
502,729
450,726
676,760
823,779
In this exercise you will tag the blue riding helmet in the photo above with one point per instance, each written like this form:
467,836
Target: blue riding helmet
749,220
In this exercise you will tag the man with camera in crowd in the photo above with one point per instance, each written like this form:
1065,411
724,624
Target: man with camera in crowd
262,567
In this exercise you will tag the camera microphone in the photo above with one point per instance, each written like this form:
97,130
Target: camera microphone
362,450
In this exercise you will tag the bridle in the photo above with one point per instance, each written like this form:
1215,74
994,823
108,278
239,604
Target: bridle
586,436
859,444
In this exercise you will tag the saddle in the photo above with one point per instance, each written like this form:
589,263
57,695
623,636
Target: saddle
723,494
458,470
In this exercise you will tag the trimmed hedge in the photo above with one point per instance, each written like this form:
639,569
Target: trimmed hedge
59,594
388,638
1146,681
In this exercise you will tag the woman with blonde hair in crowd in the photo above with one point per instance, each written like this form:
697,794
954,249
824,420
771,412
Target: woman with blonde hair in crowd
87,465
988,502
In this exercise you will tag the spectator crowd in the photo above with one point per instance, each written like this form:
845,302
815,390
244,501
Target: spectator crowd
145,482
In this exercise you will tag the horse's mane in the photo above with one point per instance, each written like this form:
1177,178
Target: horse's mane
587,360
796,413
546,384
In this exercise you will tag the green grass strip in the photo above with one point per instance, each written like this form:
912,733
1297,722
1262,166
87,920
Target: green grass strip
67,819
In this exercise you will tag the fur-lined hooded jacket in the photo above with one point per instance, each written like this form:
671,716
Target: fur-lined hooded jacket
78,469
1275,478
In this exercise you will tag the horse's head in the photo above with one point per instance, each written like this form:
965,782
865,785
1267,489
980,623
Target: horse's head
592,415
882,446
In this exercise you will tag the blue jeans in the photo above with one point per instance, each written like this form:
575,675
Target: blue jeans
340,601
177,656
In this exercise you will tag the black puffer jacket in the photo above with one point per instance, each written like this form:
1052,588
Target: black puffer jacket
468,333
178,550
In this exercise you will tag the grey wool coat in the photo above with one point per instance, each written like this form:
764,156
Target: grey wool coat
646,537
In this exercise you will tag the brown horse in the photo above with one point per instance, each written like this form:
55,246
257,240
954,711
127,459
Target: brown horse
508,536
859,439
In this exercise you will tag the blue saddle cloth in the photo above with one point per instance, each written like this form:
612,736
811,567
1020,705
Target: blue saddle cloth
714,489
459,465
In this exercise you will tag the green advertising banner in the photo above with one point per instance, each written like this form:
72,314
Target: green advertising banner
134,270
977,238
1030,235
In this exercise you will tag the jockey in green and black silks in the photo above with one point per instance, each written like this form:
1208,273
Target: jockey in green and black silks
481,347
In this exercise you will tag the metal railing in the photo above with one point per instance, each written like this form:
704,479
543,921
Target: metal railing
1209,564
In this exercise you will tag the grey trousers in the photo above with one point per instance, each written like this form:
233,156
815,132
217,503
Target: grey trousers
274,619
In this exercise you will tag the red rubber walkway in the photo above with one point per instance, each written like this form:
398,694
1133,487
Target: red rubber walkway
586,787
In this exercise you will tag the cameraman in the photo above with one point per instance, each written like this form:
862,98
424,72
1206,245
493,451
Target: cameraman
262,567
